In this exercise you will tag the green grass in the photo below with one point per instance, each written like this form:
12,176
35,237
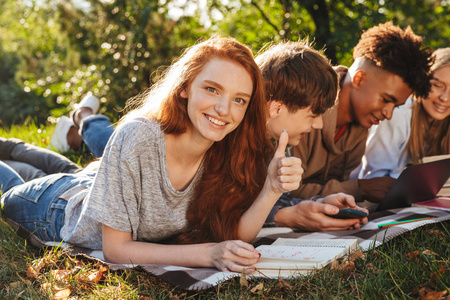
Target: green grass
383,273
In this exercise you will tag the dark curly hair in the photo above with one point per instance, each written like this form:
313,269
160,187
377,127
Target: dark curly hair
399,52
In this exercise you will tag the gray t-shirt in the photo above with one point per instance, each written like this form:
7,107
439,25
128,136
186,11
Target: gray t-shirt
131,191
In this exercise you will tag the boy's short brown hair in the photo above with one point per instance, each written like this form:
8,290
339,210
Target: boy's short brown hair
399,52
298,75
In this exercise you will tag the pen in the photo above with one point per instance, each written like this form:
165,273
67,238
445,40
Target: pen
403,222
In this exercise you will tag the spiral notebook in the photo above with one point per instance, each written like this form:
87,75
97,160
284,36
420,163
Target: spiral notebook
306,254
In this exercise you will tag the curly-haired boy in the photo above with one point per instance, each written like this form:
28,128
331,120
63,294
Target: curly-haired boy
389,65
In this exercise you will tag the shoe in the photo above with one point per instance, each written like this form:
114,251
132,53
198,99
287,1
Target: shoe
89,101
59,137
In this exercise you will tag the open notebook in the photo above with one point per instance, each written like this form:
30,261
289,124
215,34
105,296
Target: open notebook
417,183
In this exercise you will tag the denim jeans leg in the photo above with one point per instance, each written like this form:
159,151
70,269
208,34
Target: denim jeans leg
35,206
8,178
96,131
33,162
26,171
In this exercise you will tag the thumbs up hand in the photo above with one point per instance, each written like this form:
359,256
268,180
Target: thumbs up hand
284,173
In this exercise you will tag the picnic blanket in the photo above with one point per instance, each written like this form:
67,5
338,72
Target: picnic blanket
369,236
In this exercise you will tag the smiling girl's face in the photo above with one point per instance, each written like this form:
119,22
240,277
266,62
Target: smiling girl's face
218,99
437,105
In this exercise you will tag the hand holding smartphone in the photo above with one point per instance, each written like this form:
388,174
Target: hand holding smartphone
348,213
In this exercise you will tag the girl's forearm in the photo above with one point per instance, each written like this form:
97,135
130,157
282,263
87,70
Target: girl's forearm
253,219
134,252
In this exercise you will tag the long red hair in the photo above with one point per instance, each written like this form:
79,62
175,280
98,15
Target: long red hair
235,168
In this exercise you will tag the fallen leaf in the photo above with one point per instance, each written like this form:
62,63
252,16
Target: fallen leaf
334,265
90,277
15,285
355,255
413,255
173,297
61,294
283,284
31,272
35,267
431,295
258,289
347,266
243,280
46,287
60,274
437,274
429,252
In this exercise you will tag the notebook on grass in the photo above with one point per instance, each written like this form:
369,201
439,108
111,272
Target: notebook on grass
417,183
307,254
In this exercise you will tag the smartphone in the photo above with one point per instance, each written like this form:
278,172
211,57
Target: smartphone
349,213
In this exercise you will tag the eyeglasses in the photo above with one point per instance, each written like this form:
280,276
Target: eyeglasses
437,85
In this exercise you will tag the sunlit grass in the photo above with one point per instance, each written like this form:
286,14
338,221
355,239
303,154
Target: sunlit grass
408,267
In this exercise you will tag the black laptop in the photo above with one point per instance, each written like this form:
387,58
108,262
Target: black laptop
417,183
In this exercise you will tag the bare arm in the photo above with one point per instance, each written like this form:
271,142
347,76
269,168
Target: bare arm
235,256
284,174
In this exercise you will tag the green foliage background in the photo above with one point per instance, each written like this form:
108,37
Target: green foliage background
53,52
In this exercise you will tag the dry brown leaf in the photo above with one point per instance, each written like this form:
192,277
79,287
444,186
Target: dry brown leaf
176,297
46,287
61,294
413,255
35,267
93,276
60,274
437,274
243,280
15,285
31,272
347,266
90,277
355,255
283,284
427,294
334,265
258,289
429,252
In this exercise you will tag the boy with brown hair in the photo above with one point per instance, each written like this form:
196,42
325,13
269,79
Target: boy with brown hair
389,65
301,86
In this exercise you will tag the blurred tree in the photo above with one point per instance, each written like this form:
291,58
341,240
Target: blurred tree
53,52
127,42
335,25
32,51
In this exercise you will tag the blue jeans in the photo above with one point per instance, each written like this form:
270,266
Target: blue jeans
96,131
35,208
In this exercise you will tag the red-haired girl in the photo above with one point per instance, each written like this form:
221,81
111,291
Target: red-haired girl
189,165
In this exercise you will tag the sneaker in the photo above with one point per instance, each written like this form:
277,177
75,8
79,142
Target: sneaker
59,137
89,101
